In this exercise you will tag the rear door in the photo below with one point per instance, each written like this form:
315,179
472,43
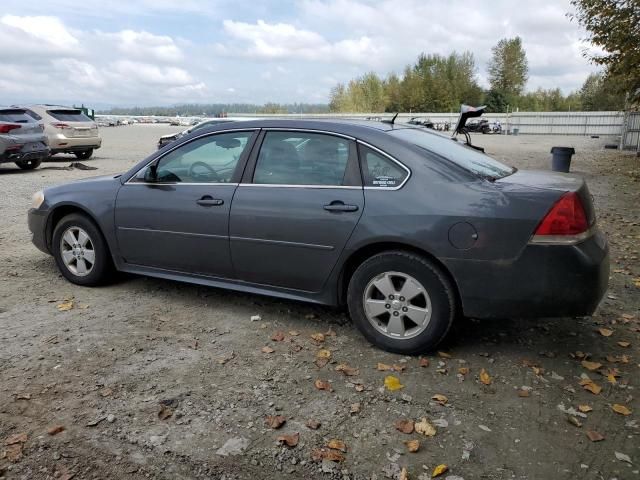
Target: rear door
180,221
300,200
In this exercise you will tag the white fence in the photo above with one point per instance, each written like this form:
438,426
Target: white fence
631,136
536,123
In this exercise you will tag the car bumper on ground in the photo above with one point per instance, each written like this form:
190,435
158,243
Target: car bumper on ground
545,281
37,220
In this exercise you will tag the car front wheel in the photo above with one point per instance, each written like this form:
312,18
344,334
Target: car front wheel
401,302
80,251
85,154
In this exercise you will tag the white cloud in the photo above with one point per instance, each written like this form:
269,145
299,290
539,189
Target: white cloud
146,45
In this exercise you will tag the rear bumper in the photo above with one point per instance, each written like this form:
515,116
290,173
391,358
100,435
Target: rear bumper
22,156
545,281
37,220
60,144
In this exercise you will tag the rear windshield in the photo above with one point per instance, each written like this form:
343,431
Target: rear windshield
15,116
69,115
456,152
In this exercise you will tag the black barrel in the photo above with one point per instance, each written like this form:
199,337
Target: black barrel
561,160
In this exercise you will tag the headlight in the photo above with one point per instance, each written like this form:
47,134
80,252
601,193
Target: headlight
37,199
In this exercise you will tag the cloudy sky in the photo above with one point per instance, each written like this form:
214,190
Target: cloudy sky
159,52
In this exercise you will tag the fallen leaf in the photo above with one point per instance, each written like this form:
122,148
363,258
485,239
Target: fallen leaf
294,333
412,445
13,453
404,426
23,396
425,428
585,408
485,377
523,393
627,316
289,440
65,306
439,470
383,367
336,444
319,454
277,336
267,350
444,355
106,392
322,358
323,385
55,429
404,475
594,436
622,456
275,421
318,337
16,438
537,370
591,366
621,409
347,370
611,378
424,362
463,370
355,408
441,399
165,412
223,360
313,424
605,332
574,421
624,344
591,386
392,383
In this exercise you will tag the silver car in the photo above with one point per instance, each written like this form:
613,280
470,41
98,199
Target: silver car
68,129
22,139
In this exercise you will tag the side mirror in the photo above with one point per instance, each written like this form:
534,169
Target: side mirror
151,174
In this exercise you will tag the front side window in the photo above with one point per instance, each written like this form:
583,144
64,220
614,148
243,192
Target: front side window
301,158
379,170
210,159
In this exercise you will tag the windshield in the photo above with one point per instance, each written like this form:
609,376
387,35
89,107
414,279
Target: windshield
466,157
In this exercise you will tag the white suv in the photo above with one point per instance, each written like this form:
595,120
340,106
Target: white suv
68,129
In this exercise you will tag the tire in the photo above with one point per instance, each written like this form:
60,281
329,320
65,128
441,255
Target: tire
436,296
84,155
29,164
92,274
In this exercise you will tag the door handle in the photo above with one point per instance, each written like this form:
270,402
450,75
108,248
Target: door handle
338,206
208,201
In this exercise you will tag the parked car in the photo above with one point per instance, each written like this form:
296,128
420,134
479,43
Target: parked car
478,126
68,129
172,137
22,139
406,227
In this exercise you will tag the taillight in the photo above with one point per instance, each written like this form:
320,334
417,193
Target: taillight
566,217
61,126
7,127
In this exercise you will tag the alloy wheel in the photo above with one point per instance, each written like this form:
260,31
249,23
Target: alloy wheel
77,251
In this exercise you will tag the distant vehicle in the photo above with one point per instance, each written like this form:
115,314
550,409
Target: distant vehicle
22,139
407,228
68,129
422,122
172,137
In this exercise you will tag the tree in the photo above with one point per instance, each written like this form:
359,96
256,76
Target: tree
508,67
599,93
495,101
614,26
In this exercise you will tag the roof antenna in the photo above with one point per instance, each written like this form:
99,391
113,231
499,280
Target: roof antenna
392,121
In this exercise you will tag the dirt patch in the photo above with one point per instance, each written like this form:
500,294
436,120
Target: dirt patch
155,379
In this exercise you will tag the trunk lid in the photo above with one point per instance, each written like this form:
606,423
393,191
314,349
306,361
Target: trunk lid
77,124
532,180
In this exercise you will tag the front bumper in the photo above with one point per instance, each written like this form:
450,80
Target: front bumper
37,220
545,281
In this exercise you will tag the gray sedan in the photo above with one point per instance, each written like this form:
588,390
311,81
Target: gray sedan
405,227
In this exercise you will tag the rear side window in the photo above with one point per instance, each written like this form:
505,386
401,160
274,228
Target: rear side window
69,115
301,158
33,114
379,170
15,116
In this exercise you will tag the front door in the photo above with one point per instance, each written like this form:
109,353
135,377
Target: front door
179,220
291,221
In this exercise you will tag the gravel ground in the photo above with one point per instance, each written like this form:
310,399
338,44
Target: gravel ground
155,379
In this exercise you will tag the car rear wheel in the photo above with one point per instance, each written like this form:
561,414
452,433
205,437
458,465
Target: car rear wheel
29,164
80,251
85,154
401,302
